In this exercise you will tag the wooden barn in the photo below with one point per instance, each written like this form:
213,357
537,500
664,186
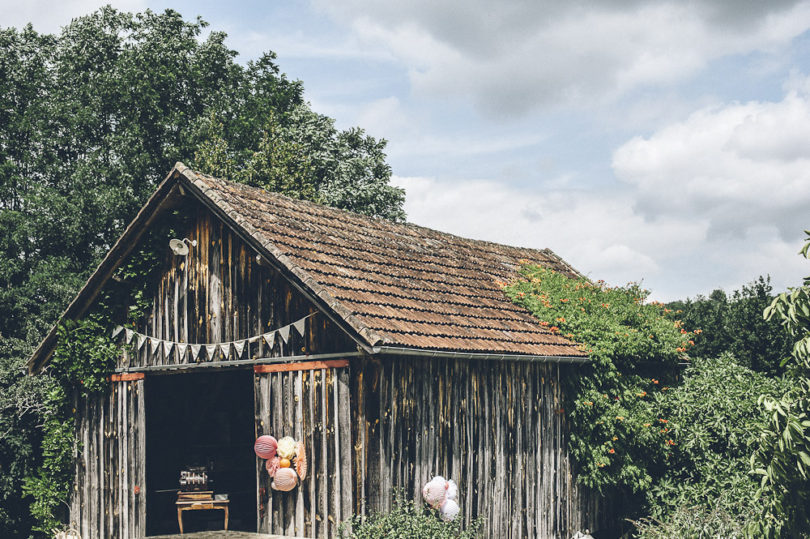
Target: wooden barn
388,350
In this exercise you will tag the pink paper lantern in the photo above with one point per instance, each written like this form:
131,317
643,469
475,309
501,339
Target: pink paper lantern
265,447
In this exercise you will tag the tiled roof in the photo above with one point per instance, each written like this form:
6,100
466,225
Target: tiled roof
396,284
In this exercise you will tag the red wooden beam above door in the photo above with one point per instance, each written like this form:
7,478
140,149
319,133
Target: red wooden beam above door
300,366
127,377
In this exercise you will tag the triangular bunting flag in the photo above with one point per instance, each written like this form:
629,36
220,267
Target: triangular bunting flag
270,338
167,347
155,344
239,346
182,348
195,351
116,331
141,340
284,333
211,350
254,340
129,334
300,325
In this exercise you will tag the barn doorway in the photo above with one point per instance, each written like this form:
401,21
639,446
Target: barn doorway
200,419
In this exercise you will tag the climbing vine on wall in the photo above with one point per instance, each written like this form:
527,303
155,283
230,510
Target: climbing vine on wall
82,362
618,436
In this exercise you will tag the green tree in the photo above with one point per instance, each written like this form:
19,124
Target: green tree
91,120
735,324
782,461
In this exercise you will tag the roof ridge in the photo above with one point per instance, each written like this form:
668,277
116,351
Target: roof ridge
336,213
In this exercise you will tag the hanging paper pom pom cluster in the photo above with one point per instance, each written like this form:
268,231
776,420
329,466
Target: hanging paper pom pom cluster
442,494
281,456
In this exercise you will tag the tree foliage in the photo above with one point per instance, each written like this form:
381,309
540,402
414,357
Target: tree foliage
91,120
782,461
734,323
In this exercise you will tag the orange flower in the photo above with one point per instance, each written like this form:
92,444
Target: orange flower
554,329
612,451
589,403
654,381
646,424
561,320
663,420
543,323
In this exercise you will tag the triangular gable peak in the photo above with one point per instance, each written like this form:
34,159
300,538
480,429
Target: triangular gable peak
389,287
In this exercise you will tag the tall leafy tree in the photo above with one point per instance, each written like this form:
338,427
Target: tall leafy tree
734,323
91,120
782,461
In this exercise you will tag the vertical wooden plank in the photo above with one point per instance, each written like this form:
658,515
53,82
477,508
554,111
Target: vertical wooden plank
318,463
343,425
298,434
327,454
309,429
215,285
130,462
141,476
124,457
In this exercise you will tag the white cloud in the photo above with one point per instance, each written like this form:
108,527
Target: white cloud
738,166
714,200
512,56
48,16
602,235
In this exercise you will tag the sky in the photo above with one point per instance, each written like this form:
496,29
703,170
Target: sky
666,143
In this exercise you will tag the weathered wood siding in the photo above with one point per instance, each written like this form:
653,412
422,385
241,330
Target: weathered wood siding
220,293
311,406
496,428
109,496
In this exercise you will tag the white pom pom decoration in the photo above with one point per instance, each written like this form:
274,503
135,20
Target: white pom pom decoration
434,491
449,510
452,490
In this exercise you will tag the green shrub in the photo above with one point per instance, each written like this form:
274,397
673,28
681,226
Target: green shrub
698,522
407,520
715,421
619,438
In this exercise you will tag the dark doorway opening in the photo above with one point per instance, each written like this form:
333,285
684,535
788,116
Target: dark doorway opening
200,419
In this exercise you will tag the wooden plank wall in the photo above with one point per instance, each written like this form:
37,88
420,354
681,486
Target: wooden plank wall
311,406
109,497
221,293
496,428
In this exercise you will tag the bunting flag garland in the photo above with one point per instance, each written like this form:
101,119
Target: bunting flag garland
238,347
270,338
299,326
284,333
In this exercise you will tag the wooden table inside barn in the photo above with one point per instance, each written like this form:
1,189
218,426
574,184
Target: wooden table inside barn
199,505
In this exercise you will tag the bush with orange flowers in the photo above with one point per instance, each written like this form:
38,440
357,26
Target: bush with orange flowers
632,344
